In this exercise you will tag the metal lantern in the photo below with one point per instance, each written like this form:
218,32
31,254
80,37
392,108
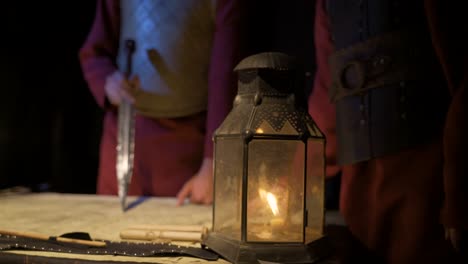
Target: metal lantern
269,170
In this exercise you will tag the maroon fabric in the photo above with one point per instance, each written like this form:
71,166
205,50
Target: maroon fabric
226,53
393,203
320,108
447,21
168,151
100,48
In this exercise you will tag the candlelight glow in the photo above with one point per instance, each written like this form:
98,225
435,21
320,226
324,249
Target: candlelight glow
270,199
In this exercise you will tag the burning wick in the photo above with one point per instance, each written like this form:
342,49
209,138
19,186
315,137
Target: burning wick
271,200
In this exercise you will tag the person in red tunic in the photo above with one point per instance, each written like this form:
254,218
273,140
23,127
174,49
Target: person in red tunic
408,203
182,88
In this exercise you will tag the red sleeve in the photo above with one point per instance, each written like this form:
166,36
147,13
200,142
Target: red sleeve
320,107
97,55
224,57
449,36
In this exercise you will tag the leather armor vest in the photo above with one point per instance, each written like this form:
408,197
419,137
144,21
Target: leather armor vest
388,87
173,45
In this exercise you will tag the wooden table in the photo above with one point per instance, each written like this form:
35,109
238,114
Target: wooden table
101,217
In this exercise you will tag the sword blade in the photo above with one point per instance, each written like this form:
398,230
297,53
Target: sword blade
125,149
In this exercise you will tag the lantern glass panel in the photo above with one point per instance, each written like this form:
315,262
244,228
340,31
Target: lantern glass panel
228,186
275,191
315,181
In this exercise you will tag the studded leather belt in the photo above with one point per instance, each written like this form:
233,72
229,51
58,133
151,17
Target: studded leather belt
8,242
388,59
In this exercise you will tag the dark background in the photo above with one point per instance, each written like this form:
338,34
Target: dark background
49,123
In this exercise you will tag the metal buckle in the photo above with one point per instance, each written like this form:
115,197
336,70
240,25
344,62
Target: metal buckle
356,69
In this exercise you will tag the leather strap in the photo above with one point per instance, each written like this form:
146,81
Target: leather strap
113,248
384,60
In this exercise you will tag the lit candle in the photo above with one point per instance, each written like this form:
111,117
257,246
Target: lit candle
277,224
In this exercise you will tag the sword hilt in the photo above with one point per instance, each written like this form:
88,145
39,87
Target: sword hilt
130,48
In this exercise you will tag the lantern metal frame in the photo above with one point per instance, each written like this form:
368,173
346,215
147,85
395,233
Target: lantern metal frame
258,91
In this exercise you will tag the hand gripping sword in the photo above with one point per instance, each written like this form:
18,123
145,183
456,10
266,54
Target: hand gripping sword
125,137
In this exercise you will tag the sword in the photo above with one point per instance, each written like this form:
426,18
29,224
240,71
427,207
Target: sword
126,135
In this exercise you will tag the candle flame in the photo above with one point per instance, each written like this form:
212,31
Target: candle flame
271,200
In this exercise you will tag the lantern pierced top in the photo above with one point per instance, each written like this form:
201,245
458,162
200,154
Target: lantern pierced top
267,100
267,60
